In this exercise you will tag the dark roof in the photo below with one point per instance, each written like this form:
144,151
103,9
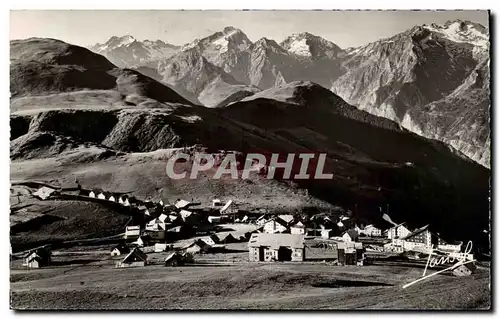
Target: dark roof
402,224
122,248
279,221
352,233
416,232
135,255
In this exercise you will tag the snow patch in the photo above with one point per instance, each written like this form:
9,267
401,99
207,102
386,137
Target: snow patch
300,47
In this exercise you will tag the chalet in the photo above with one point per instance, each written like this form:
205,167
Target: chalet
141,241
341,225
371,231
103,195
275,225
37,258
226,238
276,247
163,218
454,247
208,240
95,193
350,235
136,258
120,249
177,259
180,203
350,253
185,214
287,218
44,192
173,259
315,229
132,232
124,200
113,197
160,247
262,220
194,247
397,231
156,233
298,228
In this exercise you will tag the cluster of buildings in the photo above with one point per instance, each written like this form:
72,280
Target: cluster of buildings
296,238
284,237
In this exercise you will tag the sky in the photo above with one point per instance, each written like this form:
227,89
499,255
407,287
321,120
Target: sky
345,28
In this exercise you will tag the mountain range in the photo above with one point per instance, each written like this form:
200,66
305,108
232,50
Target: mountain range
431,79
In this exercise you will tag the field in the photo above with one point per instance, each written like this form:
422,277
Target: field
88,280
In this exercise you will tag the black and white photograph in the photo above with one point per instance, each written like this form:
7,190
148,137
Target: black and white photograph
250,160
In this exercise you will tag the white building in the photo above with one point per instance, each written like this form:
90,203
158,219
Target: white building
275,225
398,231
298,228
132,231
371,231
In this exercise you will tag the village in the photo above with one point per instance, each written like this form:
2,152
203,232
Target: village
184,232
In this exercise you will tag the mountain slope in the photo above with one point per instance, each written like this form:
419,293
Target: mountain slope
398,76
190,74
40,67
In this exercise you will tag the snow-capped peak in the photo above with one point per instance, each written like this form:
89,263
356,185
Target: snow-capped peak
462,31
229,39
309,45
114,42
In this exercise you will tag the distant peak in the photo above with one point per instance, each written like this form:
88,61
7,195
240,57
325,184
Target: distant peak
230,28
266,42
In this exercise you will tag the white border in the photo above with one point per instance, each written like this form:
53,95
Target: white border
186,4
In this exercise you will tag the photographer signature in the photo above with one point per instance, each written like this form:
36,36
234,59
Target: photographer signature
460,258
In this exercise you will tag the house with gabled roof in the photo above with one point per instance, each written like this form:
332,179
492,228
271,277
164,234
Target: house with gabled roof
297,227
120,249
96,192
132,232
397,231
287,218
276,247
276,225
371,231
262,220
350,235
101,195
124,200
38,258
136,258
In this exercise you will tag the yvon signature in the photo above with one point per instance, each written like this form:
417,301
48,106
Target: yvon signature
436,259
